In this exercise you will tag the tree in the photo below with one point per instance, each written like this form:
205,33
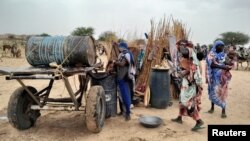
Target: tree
234,38
108,36
83,31
44,34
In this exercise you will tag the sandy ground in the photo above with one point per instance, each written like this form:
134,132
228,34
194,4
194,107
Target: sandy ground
57,125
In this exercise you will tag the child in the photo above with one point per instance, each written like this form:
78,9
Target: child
229,61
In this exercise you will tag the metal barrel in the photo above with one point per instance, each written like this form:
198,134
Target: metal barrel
110,87
64,50
159,88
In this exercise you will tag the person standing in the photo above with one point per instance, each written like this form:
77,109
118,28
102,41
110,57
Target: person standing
123,74
217,90
191,87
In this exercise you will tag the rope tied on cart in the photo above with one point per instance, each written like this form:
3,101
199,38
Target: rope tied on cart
59,68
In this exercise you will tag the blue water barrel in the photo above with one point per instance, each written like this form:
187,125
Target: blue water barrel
159,88
108,82
69,50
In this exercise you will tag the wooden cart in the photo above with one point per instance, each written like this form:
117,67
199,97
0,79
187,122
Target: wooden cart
26,102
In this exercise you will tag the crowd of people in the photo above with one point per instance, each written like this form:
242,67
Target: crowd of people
219,62
187,78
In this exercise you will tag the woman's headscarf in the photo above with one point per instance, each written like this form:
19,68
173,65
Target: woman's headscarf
184,42
126,50
214,56
219,56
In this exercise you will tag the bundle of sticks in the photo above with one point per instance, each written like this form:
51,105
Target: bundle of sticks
157,41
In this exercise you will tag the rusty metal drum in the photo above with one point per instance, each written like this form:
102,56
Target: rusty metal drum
64,50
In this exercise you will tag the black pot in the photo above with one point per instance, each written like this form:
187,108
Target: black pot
150,121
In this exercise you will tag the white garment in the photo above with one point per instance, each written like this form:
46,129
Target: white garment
132,69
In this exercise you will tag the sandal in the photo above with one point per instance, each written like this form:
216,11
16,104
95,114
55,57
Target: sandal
178,120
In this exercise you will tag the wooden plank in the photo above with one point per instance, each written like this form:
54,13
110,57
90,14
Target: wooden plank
33,77
29,92
35,70
70,91
26,70
57,108
71,71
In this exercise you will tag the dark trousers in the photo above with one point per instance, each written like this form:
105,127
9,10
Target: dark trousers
130,84
125,95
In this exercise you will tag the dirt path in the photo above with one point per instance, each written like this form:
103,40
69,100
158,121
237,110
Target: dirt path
66,126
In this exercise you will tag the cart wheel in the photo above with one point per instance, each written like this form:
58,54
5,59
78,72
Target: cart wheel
20,114
95,109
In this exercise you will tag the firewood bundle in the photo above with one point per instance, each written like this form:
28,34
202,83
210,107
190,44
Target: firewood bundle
157,40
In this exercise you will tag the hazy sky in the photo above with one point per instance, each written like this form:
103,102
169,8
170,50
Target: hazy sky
207,18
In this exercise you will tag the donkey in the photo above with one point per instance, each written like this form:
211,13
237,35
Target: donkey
16,52
6,48
244,58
